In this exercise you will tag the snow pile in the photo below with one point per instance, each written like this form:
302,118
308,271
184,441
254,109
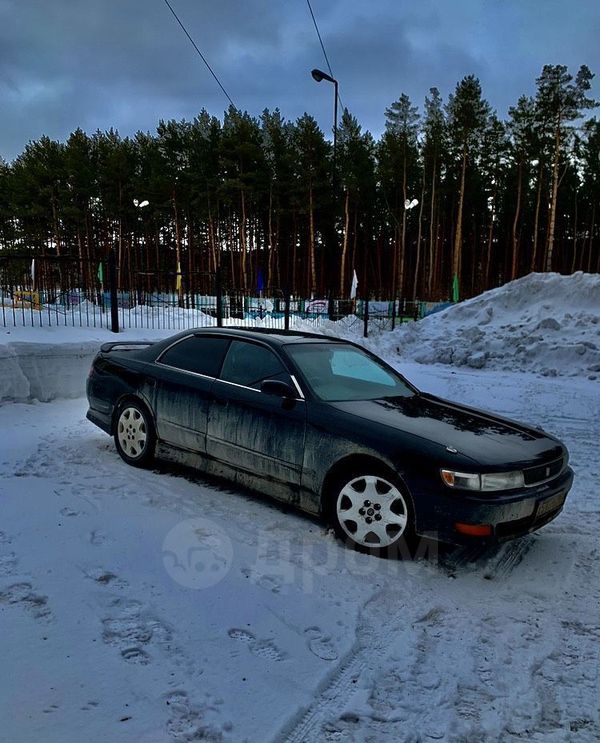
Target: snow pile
44,371
544,323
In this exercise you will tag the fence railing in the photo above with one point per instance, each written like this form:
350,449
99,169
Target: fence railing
49,293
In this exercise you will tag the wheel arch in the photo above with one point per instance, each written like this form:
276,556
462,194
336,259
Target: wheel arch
353,462
130,397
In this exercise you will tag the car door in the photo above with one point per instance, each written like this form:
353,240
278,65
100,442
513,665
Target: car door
185,374
248,429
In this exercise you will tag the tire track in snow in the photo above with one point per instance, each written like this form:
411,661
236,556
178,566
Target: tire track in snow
492,561
370,648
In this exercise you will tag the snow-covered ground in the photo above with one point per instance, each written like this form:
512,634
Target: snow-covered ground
159,606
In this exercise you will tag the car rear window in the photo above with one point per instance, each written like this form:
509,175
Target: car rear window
198,354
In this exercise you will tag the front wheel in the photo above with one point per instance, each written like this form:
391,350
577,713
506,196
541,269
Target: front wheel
134,434
371,512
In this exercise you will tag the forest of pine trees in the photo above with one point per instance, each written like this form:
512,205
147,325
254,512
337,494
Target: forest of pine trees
496,199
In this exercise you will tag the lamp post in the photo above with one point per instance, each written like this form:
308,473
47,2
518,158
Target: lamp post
319,75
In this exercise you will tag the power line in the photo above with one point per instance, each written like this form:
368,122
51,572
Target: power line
312,15
210,69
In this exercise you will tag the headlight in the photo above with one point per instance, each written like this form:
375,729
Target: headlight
486,482
502,481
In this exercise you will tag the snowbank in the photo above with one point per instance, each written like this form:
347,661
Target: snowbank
44,371
544,323
49,363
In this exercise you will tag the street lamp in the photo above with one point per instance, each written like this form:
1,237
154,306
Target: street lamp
319,75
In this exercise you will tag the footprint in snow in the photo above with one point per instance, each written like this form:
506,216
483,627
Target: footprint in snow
23,595
268,582
320,645
105,578
189,721
98,537
261,648
135,655
133,629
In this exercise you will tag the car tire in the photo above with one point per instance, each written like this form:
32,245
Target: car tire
371,513
134,434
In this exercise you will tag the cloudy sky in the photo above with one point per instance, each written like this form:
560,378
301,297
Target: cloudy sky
126,63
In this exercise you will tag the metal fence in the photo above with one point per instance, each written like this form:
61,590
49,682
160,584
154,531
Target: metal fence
54,291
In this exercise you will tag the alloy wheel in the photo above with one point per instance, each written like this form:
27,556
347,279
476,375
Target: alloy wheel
372,511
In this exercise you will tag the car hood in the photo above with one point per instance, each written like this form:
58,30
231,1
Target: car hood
488,439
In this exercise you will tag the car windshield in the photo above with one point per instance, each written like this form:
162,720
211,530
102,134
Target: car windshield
336,372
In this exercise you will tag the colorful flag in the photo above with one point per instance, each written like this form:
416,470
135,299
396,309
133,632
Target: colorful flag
100,273
354,286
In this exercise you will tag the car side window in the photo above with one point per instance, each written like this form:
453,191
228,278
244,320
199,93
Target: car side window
249,364
202,355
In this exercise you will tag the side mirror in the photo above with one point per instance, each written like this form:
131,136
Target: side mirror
278,388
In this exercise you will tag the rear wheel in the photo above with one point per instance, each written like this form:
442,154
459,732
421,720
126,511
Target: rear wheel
134,434
372,514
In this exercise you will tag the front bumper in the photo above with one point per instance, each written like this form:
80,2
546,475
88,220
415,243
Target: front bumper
509,515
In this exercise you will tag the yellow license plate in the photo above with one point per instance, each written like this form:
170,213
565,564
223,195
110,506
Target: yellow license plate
550,504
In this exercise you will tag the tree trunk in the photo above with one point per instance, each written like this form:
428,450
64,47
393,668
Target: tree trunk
177,248
457,253
311,245
403,238
553,198
242,232
212,248
536,221
515,225
294,254
590,241
432,231
490,243
419,234
345,244
574,261
270,237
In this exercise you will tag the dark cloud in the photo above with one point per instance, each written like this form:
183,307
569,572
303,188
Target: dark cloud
126,63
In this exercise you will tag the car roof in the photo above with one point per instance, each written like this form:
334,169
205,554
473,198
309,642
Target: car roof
273,336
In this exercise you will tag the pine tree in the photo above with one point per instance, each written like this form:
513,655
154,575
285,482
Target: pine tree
522,148
493,168
279,156
314,183
39,187
82,189
357,176
245,182
467,114
7,222
591,185
434,154
398,157
560,100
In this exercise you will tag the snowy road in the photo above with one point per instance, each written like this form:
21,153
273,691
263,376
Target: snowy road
275,632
